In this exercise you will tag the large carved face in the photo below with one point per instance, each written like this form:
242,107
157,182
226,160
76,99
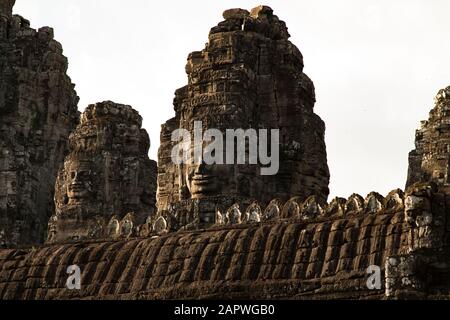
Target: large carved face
205,180
209,180
79,181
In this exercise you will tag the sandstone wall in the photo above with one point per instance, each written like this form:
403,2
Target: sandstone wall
303,256
107,185
38,110
249,76
252,237
430,160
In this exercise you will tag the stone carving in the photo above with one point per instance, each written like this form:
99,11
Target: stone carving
106,174
354,204
38,110
410,274
96,228
237,13
394,200
127,227
113,228
336,207
234,215
105,188
253,213
426,225
430,160
272,211
373,202
405,276
248,76
292,208
311,209
160,226
219,218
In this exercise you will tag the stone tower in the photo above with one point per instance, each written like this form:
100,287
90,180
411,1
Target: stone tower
248,76
38,110
430,161
6,7
106,177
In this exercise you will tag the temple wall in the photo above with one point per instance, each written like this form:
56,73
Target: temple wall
288,257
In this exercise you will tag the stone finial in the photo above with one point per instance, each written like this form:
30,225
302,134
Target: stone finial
127,225
6,7
261,11
311,208
235,14
373,202
160,226
394,201
442,95
272,211
354,204
234,215
219,218
336,207
292,208
113,228
253,213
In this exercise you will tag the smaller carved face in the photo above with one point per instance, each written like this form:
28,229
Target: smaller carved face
79,181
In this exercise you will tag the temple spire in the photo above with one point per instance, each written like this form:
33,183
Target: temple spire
430,160
6,7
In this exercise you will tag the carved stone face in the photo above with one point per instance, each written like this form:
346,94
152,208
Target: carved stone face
233,88
204,180
79,181
208,180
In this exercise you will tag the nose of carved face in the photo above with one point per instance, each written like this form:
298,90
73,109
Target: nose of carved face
203,170
201,181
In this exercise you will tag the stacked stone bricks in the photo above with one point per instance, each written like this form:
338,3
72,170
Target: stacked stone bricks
38,110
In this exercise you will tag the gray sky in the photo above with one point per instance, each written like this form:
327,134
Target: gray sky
376,65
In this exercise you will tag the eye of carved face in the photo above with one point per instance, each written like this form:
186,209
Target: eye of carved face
80,175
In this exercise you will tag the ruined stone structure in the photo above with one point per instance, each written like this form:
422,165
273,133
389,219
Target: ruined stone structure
225,231
107,185
248,76
308,251
430,161
38,110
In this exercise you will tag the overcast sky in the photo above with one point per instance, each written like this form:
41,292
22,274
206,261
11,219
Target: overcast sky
376,66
